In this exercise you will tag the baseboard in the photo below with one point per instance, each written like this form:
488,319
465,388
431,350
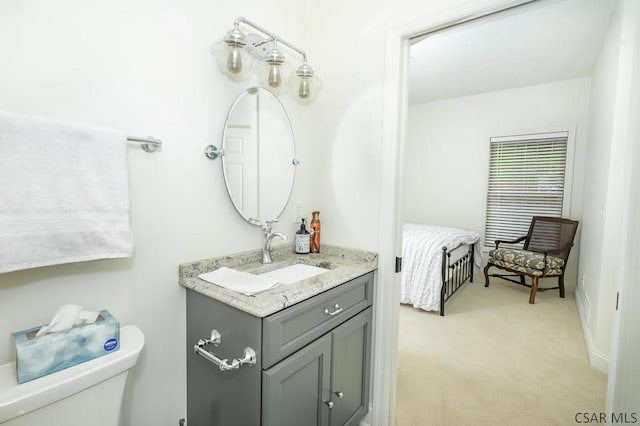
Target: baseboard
597,359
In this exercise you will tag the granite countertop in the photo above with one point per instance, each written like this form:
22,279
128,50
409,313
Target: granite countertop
343,264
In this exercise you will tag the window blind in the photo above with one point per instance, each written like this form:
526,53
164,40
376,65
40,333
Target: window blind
526,178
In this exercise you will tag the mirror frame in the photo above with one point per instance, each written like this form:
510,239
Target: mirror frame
294,162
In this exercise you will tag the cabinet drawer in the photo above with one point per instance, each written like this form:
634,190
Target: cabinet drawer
289,330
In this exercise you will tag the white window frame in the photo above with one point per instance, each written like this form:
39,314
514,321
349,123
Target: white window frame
568,176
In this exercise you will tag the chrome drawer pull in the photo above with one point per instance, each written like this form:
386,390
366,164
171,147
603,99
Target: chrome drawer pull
248,357
337,308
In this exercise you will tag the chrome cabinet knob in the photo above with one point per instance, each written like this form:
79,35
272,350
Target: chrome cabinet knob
339,394
329,404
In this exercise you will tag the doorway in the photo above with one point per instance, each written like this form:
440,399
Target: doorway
396,100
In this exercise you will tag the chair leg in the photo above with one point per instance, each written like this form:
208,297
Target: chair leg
486,275
534,289
561,285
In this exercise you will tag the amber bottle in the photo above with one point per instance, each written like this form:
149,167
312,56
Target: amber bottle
315,237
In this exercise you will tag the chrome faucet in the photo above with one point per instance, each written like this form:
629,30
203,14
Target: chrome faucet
268,237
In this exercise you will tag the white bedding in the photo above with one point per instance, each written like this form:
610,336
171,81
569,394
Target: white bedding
422,261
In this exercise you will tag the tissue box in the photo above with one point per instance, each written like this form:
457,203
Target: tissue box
57,351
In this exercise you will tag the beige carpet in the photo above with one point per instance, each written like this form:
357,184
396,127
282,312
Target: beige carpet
494,359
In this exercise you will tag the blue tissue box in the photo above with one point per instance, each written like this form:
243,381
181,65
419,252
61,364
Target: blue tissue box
57,351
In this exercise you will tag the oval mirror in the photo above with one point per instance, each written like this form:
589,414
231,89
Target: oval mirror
259,156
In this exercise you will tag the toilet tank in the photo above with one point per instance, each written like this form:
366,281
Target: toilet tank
91,393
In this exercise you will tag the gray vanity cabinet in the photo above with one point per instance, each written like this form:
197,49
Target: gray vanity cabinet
312,361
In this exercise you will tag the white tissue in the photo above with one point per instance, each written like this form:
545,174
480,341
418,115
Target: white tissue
67,317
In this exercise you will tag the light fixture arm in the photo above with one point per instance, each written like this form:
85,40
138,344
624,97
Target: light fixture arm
270,35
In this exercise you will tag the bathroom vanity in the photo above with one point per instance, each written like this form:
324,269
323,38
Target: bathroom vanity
297,354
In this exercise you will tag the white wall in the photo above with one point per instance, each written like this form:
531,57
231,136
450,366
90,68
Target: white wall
608,179
597,162
144,67
446,158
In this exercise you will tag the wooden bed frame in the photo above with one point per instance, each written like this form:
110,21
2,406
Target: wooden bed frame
455,273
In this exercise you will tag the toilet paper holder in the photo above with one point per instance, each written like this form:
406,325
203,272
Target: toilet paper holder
248,358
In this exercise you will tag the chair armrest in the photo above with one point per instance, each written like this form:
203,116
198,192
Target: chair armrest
498,242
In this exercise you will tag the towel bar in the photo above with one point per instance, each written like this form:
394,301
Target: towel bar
248,357
149,144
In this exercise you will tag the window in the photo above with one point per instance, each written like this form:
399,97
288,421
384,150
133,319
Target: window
526,178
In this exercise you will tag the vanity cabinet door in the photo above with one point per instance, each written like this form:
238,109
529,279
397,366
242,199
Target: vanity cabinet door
294,391
350,360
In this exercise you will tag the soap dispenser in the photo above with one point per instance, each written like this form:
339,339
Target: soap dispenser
302,244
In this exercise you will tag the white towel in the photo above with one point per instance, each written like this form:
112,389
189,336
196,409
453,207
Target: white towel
64,193
238,281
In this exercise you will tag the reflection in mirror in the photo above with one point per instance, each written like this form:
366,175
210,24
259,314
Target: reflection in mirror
259,156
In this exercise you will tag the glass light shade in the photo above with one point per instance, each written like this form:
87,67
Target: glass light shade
234,62
304,89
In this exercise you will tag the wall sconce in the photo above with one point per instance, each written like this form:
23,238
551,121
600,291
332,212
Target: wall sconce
237,52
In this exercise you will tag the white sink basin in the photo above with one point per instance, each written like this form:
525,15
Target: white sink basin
294,273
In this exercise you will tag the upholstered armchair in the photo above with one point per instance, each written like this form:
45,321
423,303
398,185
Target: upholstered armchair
544,253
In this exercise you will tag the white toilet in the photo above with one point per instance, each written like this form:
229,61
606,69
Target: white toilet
91,393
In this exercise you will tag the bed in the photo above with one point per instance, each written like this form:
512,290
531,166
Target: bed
436,262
